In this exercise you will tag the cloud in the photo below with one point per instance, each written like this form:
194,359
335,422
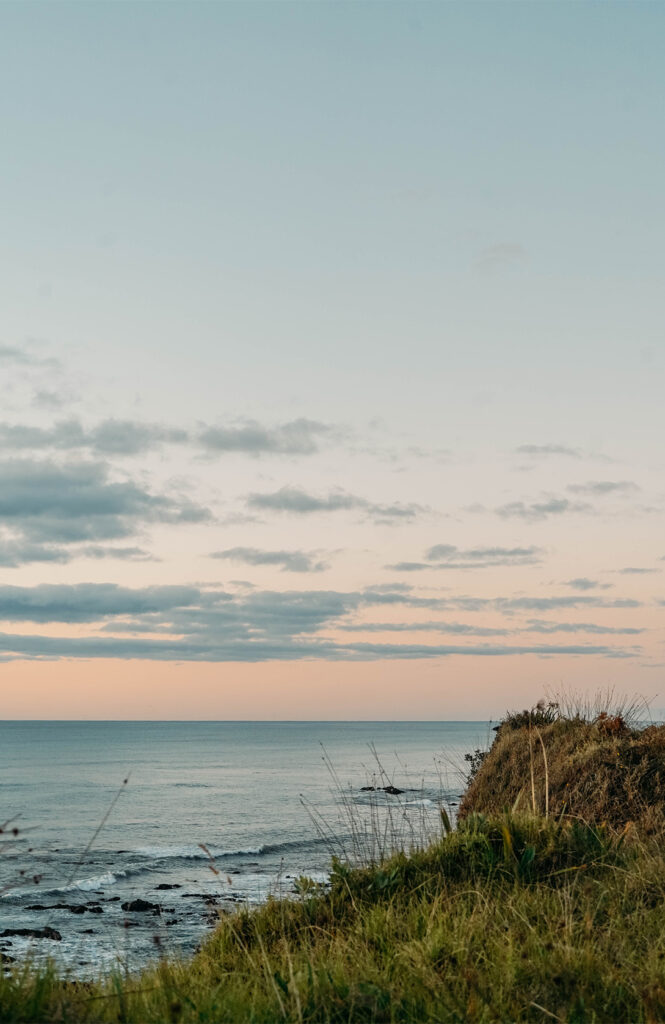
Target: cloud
288,561
415,651
503,254
110,437
179,623
14,553
89,602
26,646
599,488
400,594
123,554
409,566
545,450
393,595
540,626
299,502
51,400
448,553
133,437
297,437
540,510
125,437
13,355
453,628
584,583
191,610
530,603
634,570
46,504
447,556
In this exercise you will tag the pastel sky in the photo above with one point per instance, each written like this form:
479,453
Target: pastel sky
331,358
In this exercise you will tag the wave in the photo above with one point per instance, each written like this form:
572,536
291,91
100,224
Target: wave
295,844
155,856
195,852
103,881
96,881
192,852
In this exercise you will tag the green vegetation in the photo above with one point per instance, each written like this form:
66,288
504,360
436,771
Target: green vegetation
513,916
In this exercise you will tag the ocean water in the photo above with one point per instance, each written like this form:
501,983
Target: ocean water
196,818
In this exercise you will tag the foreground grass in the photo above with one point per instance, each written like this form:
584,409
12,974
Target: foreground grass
507,919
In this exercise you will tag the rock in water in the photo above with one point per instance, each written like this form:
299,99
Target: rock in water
139,906
34,933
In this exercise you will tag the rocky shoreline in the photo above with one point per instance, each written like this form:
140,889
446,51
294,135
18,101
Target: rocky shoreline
200,913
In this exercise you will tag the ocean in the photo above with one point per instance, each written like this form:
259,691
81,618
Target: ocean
196,818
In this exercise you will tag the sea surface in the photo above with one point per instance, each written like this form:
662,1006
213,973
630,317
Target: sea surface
196,818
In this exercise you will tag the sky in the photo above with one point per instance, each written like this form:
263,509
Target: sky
331,358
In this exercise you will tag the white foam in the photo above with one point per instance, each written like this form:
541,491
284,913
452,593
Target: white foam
96,882
78,885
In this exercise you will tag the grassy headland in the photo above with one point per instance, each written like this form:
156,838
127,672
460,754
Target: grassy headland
515,915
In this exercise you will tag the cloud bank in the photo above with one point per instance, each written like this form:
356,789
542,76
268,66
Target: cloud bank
47,508
133,437
197,624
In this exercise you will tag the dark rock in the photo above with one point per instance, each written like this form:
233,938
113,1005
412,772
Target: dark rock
6,959
168,885
172,920
368,789
34,933
112,899
88,931
73,908
139,906
393,790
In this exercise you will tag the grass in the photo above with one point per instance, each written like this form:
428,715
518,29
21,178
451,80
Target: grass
601,767
512,916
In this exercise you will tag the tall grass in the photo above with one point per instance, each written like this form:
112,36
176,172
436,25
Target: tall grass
570,704
373,825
